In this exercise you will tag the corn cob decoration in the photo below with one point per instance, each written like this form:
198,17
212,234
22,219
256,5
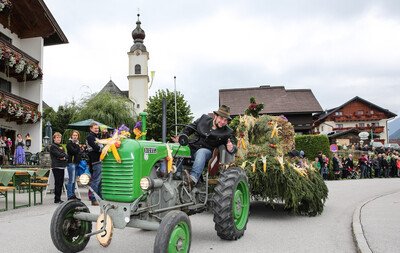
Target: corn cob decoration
264,161
253,166
169,158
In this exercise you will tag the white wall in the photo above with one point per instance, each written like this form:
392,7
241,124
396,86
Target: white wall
138,83
32,90
33,47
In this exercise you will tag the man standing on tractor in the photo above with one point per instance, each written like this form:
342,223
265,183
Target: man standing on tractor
212,132
95,165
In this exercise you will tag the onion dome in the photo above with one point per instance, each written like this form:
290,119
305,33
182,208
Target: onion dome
138,36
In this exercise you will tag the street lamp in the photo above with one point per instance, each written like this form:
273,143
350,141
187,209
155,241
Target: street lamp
48,131
46,141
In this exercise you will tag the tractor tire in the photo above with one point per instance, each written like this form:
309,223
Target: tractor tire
231,203
174,234
66,232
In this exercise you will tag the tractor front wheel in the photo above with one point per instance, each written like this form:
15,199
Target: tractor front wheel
231,204
174,234
68,233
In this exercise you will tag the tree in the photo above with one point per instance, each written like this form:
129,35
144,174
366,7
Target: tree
61,118
154,110
108,109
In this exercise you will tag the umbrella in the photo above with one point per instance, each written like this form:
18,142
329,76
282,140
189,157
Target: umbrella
85,124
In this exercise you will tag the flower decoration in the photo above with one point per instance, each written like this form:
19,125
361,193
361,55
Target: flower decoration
111,144
124,131
5,4
137,130
254,108
15,60
20,66
26,113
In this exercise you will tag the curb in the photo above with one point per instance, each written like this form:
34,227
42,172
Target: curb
357,227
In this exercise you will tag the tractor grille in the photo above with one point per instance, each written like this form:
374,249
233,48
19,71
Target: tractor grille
117,180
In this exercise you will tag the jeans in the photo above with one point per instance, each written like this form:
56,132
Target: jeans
200,158
71,181
95,181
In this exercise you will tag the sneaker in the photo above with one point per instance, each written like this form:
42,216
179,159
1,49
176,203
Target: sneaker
74,197
95,203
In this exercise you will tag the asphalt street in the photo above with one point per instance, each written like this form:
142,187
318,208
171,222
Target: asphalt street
268,230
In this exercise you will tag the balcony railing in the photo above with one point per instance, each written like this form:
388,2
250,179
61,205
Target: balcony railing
18,109
375,129
18,64
358,117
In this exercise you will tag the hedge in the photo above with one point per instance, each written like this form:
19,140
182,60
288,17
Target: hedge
312,144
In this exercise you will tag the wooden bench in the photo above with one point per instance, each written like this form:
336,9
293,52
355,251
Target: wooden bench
4,192
38,187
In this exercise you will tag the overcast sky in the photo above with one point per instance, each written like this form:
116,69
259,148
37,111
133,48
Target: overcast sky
339,49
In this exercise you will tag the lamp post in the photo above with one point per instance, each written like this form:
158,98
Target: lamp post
44,157
48,132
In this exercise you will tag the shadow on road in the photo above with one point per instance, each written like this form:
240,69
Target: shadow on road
264,210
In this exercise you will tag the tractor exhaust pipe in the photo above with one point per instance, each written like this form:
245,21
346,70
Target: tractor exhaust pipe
164,120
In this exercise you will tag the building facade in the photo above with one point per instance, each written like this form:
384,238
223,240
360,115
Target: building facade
345,122
27,27
297,105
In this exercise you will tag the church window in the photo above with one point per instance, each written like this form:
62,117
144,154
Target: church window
138,69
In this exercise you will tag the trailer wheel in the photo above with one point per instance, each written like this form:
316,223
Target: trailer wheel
66,232
174,234
231,204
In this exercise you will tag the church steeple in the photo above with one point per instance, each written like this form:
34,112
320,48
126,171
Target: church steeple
138,70
138,36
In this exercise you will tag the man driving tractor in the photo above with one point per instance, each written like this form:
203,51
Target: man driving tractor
212,132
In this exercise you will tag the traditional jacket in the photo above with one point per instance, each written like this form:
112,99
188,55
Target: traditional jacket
208,138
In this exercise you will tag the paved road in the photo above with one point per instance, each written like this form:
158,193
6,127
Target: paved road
268,230
380,222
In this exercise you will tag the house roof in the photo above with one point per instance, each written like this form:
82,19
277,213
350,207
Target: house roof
325,114
276,99
32,18
112,88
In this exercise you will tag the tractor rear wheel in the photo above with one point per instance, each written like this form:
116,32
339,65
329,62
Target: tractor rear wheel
174,233
231,204
68,233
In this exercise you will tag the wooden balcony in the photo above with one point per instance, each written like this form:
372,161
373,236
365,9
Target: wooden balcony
375,129
18,109
18,64
356,117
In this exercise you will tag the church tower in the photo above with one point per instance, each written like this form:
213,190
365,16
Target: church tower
138,70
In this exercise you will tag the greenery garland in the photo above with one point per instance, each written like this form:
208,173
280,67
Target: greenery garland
262,145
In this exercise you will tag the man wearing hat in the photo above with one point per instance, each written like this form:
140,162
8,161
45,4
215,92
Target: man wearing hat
212,132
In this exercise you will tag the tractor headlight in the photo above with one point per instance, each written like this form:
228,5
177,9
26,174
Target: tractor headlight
145,183
84,179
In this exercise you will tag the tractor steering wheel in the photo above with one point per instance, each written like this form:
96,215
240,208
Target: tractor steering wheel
194,129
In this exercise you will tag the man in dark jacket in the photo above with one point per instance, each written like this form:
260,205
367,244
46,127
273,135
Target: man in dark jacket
211,133
95,165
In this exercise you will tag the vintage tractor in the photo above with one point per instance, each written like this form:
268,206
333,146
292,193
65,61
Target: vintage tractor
144,191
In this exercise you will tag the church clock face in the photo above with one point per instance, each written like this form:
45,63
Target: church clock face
138,52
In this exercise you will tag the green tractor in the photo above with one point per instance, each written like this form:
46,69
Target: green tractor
144,191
